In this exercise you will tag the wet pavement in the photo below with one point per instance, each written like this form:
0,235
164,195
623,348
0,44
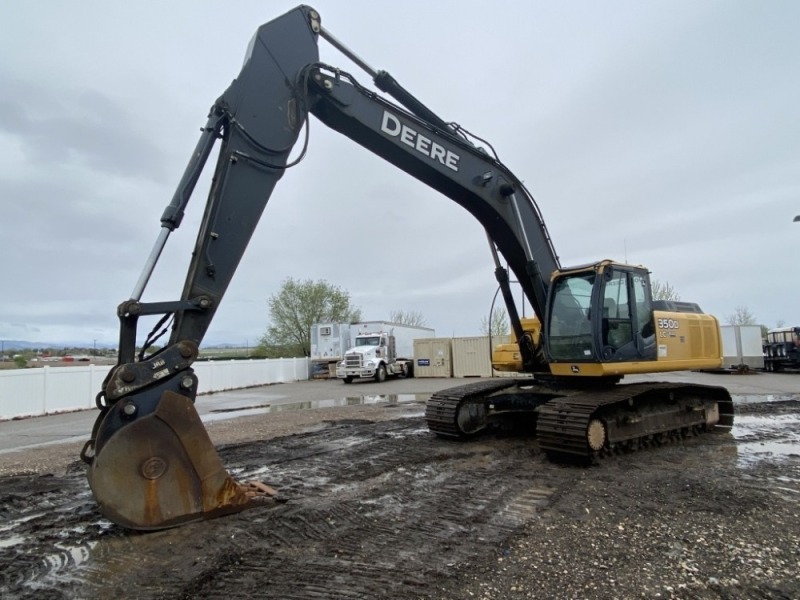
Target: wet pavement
22,434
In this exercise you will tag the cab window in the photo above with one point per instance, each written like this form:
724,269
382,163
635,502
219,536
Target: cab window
570,328
616,326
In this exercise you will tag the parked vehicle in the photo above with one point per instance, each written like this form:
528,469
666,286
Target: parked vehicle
381,349
782,349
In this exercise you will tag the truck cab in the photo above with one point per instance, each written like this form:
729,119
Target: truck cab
380,349
782,349
373,356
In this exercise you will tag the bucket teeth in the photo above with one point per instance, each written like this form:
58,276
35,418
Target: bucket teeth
258,489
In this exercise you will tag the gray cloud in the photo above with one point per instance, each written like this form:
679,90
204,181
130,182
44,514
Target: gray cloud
83,127
666,134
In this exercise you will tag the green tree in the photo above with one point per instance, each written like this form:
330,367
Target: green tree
412,318
499,323
664,291
741,315
297,306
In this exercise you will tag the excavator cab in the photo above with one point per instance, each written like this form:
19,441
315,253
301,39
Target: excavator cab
600,313
596,313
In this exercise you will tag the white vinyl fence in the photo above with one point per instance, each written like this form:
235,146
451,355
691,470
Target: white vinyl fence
30,392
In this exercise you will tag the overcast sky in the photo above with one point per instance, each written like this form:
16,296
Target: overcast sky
661,133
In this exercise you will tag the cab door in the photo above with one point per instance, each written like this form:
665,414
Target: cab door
626,328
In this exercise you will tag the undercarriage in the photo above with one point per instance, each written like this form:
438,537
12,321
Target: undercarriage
581,423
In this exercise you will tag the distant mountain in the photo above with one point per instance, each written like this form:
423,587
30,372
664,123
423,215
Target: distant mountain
19,345
7,345
221,346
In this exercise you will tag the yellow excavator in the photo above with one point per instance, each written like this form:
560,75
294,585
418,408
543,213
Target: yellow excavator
151,462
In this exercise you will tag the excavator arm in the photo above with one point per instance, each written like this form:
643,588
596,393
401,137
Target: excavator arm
152,464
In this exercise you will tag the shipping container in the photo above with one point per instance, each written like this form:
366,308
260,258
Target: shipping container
742,347
433,357
472,357
329,342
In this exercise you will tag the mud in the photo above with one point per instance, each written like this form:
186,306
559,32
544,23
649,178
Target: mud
383,509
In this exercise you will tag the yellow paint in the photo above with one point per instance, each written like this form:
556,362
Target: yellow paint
685,342
687,337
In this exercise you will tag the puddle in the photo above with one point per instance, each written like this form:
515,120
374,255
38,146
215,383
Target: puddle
9,525
388,399
261,409
754,451
410,432
11,541
69,555
761,398
760,438
233,413
756,424
239,409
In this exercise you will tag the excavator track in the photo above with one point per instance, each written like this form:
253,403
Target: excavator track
583,424
460,412
593,424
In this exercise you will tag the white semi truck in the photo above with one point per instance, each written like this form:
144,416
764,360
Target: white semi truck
380,349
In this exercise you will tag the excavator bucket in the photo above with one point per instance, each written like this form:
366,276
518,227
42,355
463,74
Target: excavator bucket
162,470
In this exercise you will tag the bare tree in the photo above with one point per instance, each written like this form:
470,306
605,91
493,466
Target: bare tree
780,323
663,291
412,318
499,323
741,316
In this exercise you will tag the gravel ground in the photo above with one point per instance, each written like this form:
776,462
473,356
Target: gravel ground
638,534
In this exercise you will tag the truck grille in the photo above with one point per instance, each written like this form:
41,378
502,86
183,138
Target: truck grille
352,360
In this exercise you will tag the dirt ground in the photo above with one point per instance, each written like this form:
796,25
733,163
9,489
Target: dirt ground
377,507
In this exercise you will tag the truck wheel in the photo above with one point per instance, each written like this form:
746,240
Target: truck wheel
347,379
380,374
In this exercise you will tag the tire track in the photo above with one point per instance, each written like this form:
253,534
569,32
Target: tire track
374,510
